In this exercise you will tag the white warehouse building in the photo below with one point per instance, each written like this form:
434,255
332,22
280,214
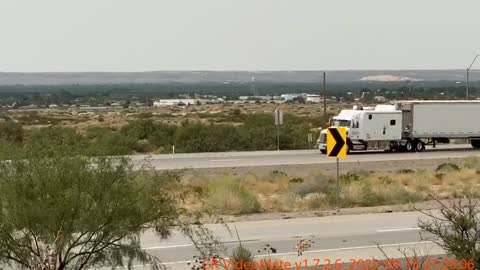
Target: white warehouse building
174,102
313,98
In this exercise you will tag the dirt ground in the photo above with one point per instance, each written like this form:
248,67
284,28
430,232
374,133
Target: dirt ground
420,206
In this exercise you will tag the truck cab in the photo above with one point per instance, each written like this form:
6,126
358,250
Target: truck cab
344,119
367,128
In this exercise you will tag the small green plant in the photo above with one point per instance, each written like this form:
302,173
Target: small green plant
241,255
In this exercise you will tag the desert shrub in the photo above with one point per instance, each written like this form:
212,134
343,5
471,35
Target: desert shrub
143,146
11,131
406,171
162,135
56,139
315,201
316,184
197,137
229,196
369,194
104,141
241,254
9,150
447,167
439,175
277,173
351,177
139,129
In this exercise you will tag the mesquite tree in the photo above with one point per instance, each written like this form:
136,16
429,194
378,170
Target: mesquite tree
61,212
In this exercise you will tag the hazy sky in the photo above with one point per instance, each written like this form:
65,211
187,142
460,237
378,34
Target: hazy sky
139,35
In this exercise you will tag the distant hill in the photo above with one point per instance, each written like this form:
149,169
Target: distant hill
69,78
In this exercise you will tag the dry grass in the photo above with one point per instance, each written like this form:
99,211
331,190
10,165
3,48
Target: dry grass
279,192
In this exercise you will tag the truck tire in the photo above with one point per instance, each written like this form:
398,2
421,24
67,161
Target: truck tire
419,146
409,147
323,151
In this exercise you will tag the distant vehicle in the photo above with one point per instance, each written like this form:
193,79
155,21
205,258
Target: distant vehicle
407,126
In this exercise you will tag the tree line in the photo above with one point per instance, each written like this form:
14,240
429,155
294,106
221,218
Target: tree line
255,132
105,94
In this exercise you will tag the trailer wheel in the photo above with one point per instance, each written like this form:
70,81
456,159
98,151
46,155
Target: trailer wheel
409,146
419,146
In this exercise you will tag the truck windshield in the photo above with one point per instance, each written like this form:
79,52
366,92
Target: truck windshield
341,123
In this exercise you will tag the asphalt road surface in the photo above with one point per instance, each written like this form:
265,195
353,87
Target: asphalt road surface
334,238
272,158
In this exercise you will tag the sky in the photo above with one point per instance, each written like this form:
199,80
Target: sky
149,35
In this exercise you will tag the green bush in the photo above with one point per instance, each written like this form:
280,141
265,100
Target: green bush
53,140
196,137
11,131
143,146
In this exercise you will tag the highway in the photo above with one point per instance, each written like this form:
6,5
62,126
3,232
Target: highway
334,237
296,157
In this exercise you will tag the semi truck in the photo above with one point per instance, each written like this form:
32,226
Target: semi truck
407,126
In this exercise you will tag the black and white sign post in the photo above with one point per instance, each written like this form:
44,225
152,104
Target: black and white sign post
278,123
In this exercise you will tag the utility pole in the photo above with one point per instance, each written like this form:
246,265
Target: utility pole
468,84
468,80
324,93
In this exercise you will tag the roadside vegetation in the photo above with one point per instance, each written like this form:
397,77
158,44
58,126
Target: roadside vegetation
235,131
60,212
279,192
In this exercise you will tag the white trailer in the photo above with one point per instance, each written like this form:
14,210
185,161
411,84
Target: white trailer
409,125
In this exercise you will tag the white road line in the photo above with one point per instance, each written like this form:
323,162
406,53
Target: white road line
400,229
224,160
294,253
347,248
163,247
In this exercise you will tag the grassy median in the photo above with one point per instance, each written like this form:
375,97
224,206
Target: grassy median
279,192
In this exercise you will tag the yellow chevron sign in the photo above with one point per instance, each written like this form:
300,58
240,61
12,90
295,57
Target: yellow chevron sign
337,142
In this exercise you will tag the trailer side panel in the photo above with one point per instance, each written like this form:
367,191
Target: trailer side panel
449,120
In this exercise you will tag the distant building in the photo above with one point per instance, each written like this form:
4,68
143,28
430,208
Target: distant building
313,98
290,97
216,101
174,102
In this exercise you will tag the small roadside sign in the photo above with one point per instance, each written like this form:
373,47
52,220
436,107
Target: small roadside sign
278,117
337,142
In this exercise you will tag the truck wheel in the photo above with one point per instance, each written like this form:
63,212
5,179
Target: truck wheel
323,151
409,146
419,146
476,144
